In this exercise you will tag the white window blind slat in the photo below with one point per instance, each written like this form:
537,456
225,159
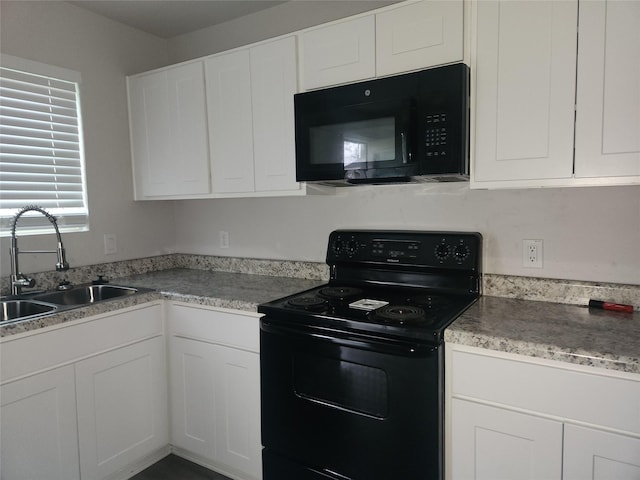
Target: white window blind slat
41,153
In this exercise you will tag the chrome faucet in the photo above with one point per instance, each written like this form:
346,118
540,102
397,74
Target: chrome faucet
18,279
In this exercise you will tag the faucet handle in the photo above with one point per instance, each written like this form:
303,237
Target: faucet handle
62,264
21,280
62,267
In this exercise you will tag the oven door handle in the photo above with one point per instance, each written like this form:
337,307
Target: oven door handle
363,342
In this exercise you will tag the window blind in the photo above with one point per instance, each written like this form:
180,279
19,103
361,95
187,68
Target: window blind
41,151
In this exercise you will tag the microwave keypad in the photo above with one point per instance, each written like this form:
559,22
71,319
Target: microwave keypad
436,135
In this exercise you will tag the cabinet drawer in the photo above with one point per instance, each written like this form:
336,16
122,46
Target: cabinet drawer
573,394
216,326
76,340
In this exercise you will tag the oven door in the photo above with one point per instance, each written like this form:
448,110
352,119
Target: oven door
345,407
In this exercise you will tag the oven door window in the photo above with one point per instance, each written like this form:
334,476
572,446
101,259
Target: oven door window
340,384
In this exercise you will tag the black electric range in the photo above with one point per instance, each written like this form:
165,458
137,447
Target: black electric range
352,372
396,284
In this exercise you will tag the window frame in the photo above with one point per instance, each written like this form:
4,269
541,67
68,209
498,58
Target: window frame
35,224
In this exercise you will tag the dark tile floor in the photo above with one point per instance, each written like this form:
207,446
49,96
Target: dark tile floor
173,467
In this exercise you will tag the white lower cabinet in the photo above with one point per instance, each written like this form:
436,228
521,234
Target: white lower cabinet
598,455
492,443
215,389
122,407
515,417
86,400
39,427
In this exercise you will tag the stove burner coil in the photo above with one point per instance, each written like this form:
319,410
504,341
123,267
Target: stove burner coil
340,293
430,302
307,303
399,314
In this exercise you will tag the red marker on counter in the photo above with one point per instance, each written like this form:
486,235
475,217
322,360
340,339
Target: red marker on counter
617,307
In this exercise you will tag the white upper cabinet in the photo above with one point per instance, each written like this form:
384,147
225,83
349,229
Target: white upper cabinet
251,123
339,52
608,97
274,81
168,132
524,62
413,36
418,35
230,121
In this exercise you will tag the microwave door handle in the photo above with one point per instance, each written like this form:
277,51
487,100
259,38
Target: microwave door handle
406,157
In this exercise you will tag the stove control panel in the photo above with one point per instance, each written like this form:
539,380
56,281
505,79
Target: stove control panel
448,250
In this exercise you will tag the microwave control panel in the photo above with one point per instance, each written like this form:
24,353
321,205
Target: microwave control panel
436,135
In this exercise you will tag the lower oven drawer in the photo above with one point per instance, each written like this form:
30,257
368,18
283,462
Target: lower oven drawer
352,407
282,468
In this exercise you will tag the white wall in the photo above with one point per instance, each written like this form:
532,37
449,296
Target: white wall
103,51
589,233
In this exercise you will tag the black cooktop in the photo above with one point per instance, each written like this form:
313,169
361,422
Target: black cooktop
401,313
404,285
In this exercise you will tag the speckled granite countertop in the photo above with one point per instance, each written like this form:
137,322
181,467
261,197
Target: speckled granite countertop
553,331
238,291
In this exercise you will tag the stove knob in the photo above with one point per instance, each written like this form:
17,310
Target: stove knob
461,252
352,247
442,251
338,246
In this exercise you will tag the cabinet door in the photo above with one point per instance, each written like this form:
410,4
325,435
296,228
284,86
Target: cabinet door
237,394
490,443
608,97
273,84
419,35
193,423
188,123
525,56
599,455
230,122
150,138
122,407
339,53
168,132
39,428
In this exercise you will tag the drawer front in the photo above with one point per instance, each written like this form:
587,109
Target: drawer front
240,330
573,394
76,340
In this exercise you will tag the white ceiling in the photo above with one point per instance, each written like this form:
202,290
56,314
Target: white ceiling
169,18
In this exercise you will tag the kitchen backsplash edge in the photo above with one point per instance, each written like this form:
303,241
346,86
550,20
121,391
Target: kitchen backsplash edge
509,286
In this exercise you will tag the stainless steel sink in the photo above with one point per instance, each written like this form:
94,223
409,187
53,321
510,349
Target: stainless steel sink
85,295
19,309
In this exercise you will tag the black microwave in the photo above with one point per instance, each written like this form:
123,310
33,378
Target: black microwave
406,128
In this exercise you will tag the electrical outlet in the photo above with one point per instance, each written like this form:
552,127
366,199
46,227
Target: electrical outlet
110,244
532,253
224,239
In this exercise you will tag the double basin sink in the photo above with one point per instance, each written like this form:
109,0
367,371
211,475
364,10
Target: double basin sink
14,309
